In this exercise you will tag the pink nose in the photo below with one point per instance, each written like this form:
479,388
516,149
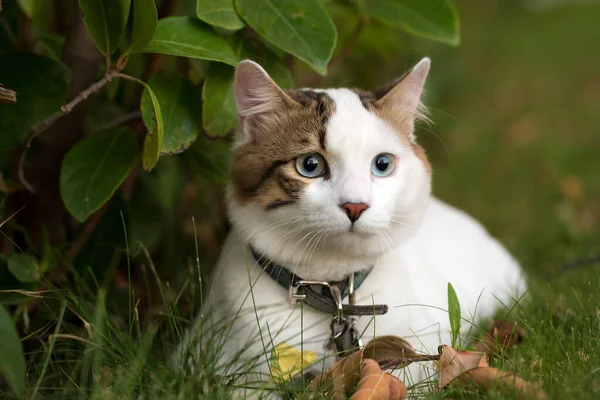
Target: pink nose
354,210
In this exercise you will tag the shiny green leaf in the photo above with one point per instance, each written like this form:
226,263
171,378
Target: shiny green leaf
105,20
219,13
145,18
94,169
181,109
302,28
432,19
189,37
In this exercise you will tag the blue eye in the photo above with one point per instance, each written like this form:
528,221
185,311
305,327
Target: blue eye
310,165
383,164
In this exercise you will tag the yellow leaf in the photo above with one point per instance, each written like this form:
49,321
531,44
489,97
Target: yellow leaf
287,362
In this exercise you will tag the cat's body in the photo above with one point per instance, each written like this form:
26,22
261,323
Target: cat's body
328,183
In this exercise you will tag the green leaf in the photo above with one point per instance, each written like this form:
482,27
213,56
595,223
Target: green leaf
302,28
145,18
219,113
41,84
93,170
181,106
24,267
213,159
271,62
156,130
454,315
105,20
432,19
219,13
12,360
40,12
189,37
277,70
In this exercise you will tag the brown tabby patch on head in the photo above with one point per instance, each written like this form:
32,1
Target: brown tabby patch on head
403,123
264,169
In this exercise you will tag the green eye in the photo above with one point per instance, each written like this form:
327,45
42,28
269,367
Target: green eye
310,165
383,164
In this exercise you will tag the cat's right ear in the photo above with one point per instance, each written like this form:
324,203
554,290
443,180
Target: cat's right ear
255,92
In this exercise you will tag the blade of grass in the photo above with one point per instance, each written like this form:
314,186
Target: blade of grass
61,315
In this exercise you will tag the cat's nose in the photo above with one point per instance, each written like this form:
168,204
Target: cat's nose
353,210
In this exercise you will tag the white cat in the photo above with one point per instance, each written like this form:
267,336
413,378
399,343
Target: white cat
329,183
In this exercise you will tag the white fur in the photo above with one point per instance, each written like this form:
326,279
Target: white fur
415,243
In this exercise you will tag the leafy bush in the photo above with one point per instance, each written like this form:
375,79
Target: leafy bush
120,133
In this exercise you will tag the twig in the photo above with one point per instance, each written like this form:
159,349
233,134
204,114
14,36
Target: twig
117,121
7,95
39,128
387,364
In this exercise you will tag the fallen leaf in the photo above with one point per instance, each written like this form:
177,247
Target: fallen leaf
287,361
489,378
346,373
471,368
376,384
501,336
453,363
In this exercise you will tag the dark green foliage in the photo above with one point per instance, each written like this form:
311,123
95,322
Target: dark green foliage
219,13
94,169
181,111
12,361
105,20
41,85
302,28
190,37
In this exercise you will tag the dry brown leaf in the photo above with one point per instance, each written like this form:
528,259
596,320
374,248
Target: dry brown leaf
376,384
471,368
489,378
346,373
453,363
502,336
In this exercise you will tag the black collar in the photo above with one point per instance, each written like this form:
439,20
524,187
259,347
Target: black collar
319,294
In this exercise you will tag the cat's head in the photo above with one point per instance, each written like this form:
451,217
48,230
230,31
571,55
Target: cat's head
327,173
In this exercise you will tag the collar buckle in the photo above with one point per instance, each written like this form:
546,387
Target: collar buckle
294,297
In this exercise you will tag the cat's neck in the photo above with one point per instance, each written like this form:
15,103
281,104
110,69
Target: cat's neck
310,264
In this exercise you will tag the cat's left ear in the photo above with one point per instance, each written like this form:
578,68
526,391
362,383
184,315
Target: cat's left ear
404,97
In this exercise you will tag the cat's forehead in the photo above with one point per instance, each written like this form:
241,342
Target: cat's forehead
355,127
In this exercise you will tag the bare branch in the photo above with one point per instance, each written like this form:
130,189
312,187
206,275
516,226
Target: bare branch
41,127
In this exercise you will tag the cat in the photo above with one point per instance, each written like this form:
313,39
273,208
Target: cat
331,185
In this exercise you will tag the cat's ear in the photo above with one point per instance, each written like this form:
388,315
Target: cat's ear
255,92
405,95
